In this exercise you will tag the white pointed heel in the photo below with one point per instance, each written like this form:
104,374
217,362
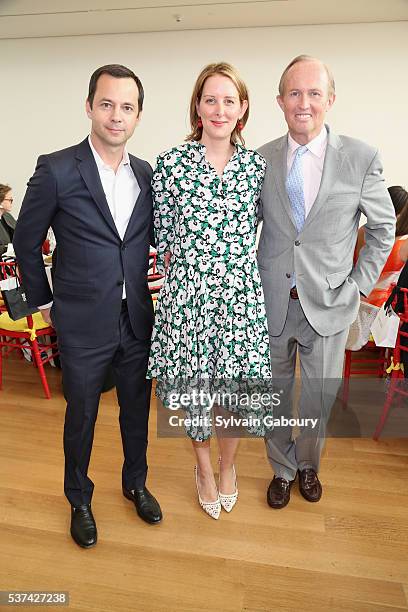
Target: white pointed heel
228,501
213,509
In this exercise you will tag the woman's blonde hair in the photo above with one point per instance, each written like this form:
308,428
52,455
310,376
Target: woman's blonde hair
225,70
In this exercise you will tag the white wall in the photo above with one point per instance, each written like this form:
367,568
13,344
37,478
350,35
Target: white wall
44,85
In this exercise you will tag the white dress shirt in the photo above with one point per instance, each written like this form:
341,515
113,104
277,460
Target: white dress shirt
312,165
121,190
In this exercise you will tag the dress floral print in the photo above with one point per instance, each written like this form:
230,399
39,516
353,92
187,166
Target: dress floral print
210,318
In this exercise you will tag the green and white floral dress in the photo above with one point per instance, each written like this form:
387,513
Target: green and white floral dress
210,317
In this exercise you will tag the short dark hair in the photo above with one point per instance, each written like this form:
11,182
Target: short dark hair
119,72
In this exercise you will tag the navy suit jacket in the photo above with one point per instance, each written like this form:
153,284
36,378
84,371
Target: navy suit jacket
66,193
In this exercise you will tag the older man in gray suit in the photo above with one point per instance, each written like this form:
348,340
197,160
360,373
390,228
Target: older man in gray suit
316,186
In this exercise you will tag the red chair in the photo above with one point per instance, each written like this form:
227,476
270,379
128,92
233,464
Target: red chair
27,333
397,375
363,357
375,363
374,358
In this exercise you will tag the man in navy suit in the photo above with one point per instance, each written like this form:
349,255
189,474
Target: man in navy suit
97,199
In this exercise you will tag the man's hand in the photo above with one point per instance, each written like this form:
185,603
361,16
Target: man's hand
167,258
45,313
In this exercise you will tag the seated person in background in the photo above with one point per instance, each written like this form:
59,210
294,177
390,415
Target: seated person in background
399,307
394,263
7,221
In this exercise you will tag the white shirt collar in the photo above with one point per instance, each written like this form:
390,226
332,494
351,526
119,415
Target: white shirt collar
99,161
317,146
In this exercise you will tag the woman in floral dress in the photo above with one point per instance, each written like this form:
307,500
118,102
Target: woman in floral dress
210,318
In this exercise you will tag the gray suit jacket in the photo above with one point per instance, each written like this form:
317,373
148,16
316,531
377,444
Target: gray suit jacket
321,256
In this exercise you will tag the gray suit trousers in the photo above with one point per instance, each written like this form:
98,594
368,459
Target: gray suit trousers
321,363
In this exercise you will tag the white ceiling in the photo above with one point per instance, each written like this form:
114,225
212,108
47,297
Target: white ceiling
29,19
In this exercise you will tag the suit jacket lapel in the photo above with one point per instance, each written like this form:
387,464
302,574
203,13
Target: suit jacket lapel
89,172
144,184
331,168
278,160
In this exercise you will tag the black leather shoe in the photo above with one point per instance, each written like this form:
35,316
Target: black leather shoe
146,505
278,495
309,485
83,526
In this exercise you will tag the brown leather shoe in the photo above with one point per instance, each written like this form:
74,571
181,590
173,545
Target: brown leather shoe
309,485
278,495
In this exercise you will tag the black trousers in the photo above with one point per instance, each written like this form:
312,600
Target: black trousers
84,371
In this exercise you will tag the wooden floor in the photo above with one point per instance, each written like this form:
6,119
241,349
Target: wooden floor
347,553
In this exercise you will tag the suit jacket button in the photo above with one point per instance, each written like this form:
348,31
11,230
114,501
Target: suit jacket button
297,242
119,283
288,275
